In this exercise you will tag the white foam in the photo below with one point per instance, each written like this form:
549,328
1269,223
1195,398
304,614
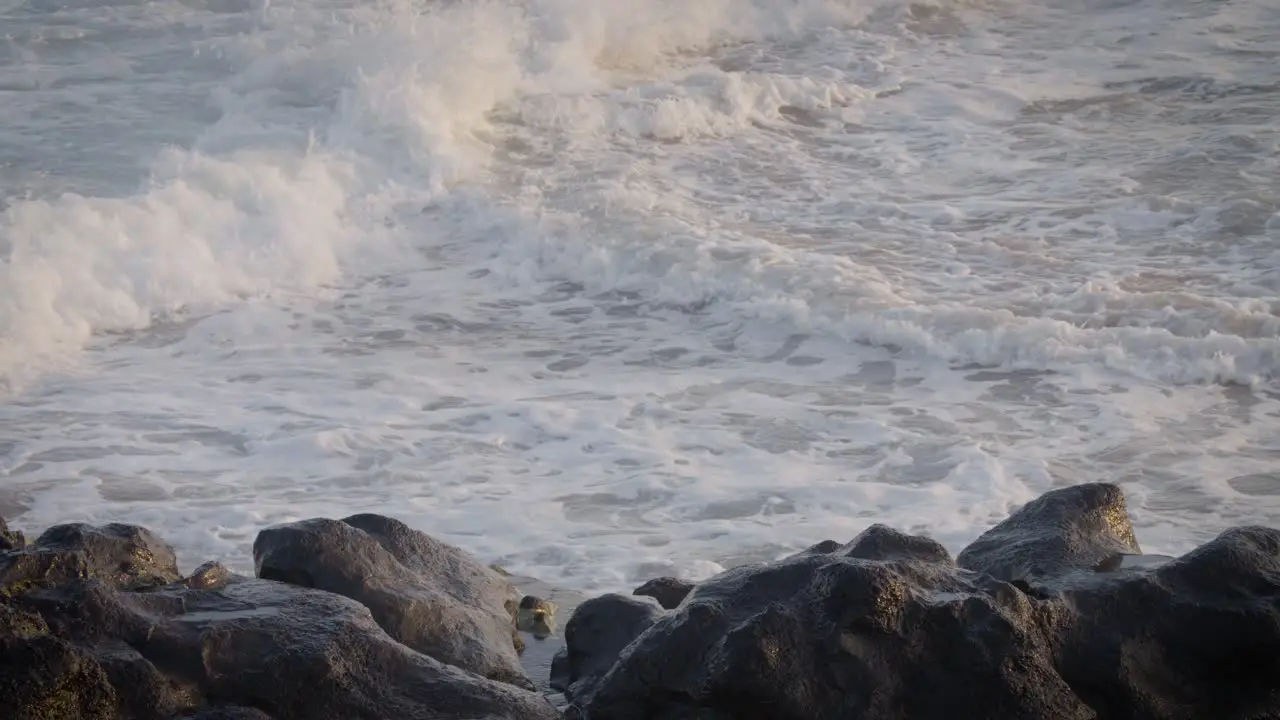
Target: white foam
607,290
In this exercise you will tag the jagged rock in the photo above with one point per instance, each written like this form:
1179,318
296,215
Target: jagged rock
1063,531
830,637
277,650
880,542
10,539
431,596
598,631
668,591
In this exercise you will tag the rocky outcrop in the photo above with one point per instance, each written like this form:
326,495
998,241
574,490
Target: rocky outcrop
1052,614
1053,536
430,596
1195,637
123,556
880,542
84,634
828,636
668,591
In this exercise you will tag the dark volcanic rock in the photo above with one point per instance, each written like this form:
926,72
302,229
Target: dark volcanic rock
124,556
45,678
1053,615
1198,637
598,631
1072,529
880,542
275,650
431,596
826,547
831,637
10,539
668,591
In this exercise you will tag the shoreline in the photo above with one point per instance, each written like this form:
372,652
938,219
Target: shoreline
1054,612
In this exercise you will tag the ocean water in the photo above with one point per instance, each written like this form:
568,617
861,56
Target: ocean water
601,290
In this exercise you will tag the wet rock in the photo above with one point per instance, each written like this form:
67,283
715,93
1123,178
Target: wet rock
1057,534
276,650
540,651
1195,637
829,637
10,539
17,622
25,569
433,597
595,636
1052,614
45,678
826,547
1128,561
536,616
668,591
880,542
125,556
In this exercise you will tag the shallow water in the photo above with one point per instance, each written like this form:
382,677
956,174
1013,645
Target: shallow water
607,290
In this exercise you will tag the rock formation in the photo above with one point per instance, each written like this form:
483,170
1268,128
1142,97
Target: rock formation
95,623
430,596
1053,614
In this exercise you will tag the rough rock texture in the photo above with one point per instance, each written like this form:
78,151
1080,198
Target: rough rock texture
880,542
96,624
44,677
1074,528
10,539
1053,615
124,556
668,591
598,631
275,650
827,636
432,597
1194,638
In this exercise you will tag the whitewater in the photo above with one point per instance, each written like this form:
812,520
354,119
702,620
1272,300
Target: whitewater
604,290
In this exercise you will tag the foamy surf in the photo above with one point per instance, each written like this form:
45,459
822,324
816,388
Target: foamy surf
583,285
